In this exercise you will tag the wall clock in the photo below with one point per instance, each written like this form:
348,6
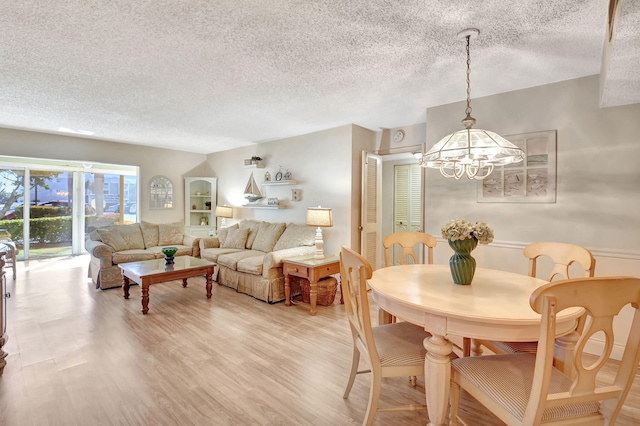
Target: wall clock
398,136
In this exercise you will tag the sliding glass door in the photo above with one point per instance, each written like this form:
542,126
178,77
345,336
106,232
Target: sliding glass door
49,207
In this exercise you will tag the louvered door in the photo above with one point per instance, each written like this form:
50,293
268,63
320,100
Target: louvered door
371,208
407,203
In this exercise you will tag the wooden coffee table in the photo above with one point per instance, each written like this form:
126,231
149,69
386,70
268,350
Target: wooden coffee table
155,271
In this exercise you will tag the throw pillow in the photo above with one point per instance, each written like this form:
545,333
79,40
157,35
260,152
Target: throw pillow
132,235
253,226
236,238
296,236
112,238
170,233
149,234
222,233
267,236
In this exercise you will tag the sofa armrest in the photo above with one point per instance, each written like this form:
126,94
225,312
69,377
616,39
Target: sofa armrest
209,242
193,242
100,251
274,258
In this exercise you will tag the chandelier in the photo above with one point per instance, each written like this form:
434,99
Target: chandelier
473,152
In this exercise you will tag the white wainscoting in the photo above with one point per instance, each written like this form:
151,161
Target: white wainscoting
507,256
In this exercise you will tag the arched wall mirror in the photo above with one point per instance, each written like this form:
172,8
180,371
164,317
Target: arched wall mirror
160,193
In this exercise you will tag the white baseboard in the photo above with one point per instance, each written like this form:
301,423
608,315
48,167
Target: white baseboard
597,347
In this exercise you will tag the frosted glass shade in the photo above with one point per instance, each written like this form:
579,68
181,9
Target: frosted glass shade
470,151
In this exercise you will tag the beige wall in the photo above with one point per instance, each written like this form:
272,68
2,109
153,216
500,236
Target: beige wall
598,190
152,161
322,164
598,193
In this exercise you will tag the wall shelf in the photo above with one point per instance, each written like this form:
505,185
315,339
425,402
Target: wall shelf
263,206
279,182
254,166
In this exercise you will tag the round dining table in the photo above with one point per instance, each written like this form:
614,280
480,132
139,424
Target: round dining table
494,307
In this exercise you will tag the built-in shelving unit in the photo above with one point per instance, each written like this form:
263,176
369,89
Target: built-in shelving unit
200,195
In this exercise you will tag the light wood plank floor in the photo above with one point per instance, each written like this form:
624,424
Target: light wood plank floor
80,356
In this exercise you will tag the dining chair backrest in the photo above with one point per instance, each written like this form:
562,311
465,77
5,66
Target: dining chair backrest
355,271
408,242
602,298
563,255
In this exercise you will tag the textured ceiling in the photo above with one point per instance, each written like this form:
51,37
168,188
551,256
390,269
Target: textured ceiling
206,76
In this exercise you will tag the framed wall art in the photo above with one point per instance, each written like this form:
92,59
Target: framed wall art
530,181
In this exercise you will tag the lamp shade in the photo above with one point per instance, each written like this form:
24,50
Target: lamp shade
319,216
224,211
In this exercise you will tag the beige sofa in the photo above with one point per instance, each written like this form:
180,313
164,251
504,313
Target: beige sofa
249,255
116,244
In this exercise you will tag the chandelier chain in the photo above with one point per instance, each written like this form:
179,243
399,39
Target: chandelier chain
468,109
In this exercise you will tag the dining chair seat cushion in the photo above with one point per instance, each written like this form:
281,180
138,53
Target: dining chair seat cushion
515,347
507,379
400,344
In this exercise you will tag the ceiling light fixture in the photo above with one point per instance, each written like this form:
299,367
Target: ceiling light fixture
473,152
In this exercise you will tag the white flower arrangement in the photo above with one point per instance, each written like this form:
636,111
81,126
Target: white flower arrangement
460,229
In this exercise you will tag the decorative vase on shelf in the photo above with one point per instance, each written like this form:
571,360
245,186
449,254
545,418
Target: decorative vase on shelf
462,264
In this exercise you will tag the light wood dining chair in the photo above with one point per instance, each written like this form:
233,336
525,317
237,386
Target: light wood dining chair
389,350
526,389
563,256
408,241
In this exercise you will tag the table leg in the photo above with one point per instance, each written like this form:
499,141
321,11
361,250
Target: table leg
145,298
341,294
209,279
287,290
184,282
437,370
563,352
313,296
125,286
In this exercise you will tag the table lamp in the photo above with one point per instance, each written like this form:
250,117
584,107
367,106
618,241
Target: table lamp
224,212
319,217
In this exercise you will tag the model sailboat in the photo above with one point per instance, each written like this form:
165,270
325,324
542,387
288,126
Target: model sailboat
252,192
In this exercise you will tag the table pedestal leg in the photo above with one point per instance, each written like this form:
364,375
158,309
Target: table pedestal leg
287,291
313,296
209,284
563,351
437,370
145,298
125,286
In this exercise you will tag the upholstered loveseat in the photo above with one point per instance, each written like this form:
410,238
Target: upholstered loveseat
116,244
249,255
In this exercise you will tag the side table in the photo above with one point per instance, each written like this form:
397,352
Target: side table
311,269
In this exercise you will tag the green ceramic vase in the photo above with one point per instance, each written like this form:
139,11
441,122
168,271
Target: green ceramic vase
462,264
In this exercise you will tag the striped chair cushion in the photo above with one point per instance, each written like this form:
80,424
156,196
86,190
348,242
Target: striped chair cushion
507,380
400,344
515,347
